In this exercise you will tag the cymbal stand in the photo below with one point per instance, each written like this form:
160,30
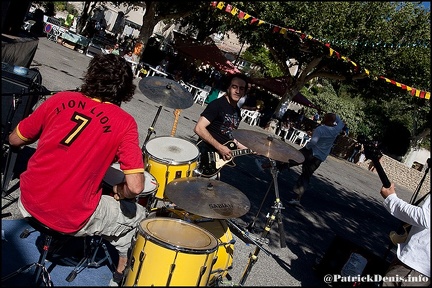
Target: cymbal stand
245,234
151,128
276,215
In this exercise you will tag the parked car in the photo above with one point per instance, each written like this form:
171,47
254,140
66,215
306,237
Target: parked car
96,45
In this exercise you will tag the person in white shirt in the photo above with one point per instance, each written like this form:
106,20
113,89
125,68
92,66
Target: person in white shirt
411,267
128,56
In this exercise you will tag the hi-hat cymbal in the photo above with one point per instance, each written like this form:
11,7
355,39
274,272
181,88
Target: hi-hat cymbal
207,197
166,92
268,145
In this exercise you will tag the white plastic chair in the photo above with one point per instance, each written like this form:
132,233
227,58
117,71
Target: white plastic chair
185,86
251,117
304,141
201,97
299,135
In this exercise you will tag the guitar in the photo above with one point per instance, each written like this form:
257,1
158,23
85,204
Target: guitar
372,152
210,160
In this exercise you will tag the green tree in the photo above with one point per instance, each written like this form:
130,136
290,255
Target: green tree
381,38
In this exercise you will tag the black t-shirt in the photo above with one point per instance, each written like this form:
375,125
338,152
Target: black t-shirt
223,118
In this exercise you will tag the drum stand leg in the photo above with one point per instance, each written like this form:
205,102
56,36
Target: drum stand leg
276,215
151,128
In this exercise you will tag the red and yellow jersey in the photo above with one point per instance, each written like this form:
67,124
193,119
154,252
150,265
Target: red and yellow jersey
78,139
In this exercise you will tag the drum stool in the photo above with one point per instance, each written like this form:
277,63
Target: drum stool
48,235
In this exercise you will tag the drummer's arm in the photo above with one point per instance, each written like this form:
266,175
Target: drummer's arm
131,188
201,130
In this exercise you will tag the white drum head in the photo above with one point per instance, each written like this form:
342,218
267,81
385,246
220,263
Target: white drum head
115,175
172,150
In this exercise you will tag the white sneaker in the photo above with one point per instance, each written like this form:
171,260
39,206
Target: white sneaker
294,202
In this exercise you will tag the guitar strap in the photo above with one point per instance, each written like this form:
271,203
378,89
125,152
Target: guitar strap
421,199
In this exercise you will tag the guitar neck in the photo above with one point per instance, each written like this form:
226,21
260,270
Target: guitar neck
239,152
380,170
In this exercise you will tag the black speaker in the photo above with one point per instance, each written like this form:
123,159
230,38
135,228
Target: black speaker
19,95
21,89
13,15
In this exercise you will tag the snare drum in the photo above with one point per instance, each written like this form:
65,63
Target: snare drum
115,175
169,158
218,228
170,252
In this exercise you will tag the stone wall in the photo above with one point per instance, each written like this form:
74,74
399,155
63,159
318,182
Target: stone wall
396,171
402,175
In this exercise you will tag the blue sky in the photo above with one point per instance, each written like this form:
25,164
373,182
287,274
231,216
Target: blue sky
426,4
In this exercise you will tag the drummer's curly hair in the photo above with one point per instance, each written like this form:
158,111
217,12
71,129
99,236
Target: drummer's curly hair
109,78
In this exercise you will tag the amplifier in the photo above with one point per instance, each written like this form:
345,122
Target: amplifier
18,95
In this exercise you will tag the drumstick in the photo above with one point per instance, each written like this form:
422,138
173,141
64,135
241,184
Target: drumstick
176,114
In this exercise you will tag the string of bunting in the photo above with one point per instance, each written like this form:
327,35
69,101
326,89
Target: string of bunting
332,53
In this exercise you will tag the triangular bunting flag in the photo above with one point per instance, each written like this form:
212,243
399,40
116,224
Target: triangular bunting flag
422,94
220,5
282,30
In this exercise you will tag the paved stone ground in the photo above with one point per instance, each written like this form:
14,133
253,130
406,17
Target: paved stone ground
343,199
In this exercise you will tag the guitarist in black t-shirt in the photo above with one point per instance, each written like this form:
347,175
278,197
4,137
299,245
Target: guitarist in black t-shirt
215,126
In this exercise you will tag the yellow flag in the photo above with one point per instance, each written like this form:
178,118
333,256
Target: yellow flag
234,11
220,5
260,22
283,31
246,16
427,96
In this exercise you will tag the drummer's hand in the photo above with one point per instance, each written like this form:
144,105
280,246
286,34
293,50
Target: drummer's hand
118,191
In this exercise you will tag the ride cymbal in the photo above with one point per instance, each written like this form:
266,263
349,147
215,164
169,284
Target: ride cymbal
207,197
165,92
268,145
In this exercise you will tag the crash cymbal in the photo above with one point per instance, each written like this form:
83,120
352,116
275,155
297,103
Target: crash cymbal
165,92
268,145
207,197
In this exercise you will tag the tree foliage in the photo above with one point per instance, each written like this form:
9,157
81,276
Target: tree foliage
386,38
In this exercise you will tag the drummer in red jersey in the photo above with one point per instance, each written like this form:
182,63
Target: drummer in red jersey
80,134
